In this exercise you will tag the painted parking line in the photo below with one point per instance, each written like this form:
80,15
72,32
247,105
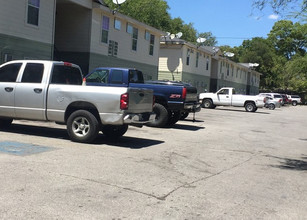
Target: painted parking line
22,149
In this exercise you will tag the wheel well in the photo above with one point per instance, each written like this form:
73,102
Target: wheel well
249,101
161,101
81,106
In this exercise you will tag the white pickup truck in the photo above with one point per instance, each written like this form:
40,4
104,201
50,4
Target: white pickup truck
227,97
53,91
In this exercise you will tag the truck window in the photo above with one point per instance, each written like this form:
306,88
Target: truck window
9,72
66,75
135,76
33,73
224,92
99,76
117,77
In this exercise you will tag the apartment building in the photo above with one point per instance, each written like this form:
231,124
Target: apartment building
84,32
206,68
183,61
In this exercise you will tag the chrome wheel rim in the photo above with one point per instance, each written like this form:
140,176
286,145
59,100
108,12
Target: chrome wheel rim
81,126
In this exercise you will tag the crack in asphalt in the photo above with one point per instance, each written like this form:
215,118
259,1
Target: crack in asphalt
164,197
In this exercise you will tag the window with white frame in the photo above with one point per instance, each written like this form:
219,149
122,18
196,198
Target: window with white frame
188,57
197,58
105,29
117,24
134,32
151,38
33,12
152,44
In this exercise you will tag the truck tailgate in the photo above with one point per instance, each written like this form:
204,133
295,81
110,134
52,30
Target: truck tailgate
140,100
191,94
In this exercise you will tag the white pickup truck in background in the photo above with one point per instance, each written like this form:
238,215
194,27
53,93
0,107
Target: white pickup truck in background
227,97
53,91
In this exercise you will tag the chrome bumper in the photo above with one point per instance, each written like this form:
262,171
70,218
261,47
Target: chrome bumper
142,118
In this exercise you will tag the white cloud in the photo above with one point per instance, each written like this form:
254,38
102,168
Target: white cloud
273,17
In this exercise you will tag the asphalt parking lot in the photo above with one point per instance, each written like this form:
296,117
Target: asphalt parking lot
229,164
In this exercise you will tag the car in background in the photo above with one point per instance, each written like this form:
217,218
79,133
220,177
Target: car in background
285,99
295,99
275,96
271,104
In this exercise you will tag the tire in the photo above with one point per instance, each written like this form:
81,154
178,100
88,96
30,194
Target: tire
271,106
183,115
5,123
207,103
82,126
250,107
173,118
294,103
114,131
161,116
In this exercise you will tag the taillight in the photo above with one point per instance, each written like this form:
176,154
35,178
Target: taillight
124,101
184,93
264,100
280,100
67,64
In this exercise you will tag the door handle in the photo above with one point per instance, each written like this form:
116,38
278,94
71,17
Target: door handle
227,96
9,89
38,90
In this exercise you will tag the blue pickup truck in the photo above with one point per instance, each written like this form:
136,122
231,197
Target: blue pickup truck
172,99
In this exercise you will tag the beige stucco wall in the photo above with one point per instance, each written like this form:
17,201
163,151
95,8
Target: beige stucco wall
13,20
123,38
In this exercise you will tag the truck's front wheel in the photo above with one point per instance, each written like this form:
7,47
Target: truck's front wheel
250,107
114,131
82,126
161,116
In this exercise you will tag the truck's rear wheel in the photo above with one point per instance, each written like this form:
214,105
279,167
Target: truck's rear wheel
250,107
114,131
82,126
161,116
5,123
207,103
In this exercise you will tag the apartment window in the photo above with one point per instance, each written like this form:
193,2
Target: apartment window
152,44
117,24
188,57
129,29
147,36
207,63
197,57
105,29
227,67
7,57
33,12
135,39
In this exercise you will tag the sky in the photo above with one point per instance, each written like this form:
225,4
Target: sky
230,21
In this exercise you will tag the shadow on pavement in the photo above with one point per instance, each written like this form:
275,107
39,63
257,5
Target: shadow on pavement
291,164
61,133
241,110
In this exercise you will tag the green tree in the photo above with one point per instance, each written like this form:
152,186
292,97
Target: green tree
294,8
289,39
188,31
210,39
296,75
151,12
